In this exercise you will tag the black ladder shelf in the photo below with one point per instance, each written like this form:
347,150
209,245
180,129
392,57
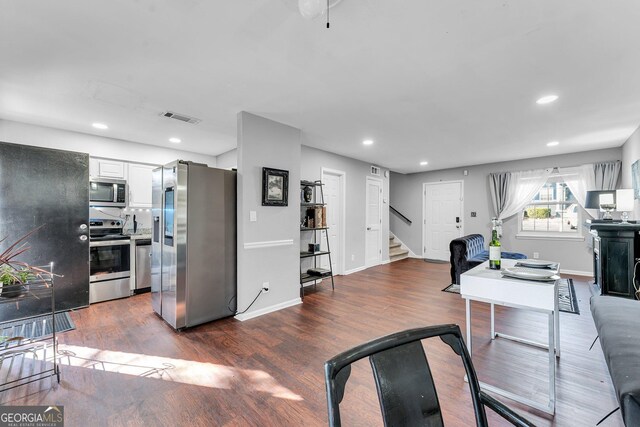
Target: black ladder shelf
29,353
312,201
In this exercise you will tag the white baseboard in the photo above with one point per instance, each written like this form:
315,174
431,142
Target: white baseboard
266,310
577,272
354,270
386,261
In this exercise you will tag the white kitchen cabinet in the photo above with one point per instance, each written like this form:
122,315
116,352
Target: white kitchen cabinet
106,168
140,185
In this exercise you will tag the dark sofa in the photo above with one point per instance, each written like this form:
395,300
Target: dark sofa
618,323
469,251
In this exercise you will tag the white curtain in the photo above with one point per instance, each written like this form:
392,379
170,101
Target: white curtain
522,187
606,175
590,177
580,179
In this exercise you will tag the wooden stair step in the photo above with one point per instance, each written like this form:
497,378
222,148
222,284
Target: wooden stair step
398,252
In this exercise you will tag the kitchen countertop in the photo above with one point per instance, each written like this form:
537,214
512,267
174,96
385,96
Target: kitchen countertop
141,233
134,237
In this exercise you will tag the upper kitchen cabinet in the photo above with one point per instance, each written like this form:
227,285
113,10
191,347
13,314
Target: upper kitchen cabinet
107,168
140,185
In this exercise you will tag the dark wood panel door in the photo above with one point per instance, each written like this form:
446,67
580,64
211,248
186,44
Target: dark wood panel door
51,187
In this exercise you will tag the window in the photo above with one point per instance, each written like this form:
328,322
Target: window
553,210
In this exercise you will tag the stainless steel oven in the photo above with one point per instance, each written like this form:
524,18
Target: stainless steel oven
110,261
107,192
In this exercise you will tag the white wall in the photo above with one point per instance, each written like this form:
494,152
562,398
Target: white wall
268,249
96,146
406,196
228,160
311,164
630,154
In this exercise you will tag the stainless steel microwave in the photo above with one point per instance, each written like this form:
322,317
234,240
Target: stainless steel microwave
108,192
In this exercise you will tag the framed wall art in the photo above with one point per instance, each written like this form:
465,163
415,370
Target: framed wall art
275,187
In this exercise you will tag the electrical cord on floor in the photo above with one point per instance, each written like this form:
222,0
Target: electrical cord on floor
245,310
607,416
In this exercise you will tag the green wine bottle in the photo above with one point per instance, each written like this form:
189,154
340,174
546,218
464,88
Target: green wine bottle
495,252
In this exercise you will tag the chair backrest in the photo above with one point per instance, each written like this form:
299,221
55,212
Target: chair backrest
406,390
403,377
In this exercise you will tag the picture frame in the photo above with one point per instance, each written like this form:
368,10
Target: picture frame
635,179
275,187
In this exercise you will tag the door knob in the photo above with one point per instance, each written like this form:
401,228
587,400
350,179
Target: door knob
368,228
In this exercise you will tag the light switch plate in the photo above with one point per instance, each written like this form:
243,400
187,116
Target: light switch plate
253,216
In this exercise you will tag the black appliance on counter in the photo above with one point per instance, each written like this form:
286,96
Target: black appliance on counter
110,260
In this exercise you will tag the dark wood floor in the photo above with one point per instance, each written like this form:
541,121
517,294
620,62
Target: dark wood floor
125,366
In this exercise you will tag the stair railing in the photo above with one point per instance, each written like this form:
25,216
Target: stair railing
402,217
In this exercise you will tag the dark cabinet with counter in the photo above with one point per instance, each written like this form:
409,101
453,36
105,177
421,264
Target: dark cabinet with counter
615,249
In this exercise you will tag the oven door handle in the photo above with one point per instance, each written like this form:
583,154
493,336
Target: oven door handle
109,243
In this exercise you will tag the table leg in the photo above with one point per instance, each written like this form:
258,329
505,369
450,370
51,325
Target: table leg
468,316
552,362
493,322
556,317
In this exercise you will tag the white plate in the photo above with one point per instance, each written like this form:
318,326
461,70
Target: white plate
529,273
532,279
536,263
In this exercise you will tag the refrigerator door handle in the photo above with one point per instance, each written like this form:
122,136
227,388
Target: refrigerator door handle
156,229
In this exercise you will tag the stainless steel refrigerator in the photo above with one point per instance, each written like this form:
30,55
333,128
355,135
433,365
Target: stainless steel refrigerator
193,253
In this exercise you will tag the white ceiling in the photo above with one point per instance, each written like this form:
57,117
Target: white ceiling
453,82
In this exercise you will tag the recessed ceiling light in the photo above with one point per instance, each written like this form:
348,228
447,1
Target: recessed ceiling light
367,142
175,140
552,143
101,126
424,163
547,99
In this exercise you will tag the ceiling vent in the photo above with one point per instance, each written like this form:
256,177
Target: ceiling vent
181,117
375,170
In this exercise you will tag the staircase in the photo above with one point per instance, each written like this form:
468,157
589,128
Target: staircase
396,252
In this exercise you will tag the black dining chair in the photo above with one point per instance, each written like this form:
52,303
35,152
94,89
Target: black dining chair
404,382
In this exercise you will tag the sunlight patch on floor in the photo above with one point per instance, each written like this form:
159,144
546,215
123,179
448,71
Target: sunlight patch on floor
176,370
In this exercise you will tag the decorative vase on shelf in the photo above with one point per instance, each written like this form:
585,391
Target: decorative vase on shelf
307,194
11,291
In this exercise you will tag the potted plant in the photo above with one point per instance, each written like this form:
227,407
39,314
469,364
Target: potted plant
12,280
14,275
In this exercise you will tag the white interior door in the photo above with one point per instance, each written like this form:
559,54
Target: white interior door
442,218
334,198
373,237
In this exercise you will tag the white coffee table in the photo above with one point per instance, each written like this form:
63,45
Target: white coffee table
486,285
